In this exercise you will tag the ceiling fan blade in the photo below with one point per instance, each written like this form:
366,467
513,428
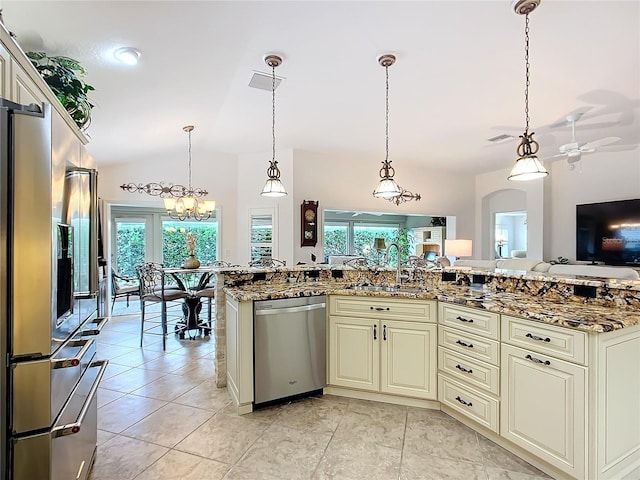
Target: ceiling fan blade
618,148
599,143
577,113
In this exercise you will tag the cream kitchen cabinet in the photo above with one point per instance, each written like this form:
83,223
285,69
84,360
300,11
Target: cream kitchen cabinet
239,317
383,345
543,408
469,363
572,398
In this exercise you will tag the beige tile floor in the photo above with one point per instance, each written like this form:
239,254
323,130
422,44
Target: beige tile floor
161,417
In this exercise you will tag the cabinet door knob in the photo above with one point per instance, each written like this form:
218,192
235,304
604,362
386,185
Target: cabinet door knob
375,332
468,345
539,339
384,332
537,360
379,309
466,320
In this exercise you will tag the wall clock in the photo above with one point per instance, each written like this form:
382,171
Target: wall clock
309,223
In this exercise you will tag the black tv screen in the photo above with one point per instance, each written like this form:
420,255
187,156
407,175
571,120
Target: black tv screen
609,232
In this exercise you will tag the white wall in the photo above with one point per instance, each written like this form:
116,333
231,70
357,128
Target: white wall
251,177
346,182
598,177
214,172
551,202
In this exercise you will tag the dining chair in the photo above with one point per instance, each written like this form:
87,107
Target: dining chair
122,286
151,286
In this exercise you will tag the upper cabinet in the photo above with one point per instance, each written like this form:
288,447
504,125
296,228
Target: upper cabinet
5,72
20,82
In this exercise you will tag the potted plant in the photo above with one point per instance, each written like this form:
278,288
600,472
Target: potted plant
62,75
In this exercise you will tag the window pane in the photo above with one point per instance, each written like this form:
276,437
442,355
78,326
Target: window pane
363,236
174,241
261,237
130,246
335,240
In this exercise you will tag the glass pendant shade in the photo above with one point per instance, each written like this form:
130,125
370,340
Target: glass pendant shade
273,188
387,188
527,168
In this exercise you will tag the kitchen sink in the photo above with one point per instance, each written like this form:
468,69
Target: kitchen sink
377,288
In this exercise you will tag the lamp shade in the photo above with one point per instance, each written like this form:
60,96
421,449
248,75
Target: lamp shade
387,188
273,188
527,168
379,244
458,248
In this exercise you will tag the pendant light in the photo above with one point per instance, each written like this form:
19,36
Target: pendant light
273,186
527,167
387,187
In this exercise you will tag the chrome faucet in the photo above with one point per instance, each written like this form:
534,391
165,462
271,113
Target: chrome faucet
386,260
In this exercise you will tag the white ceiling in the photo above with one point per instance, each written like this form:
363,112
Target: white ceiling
458,80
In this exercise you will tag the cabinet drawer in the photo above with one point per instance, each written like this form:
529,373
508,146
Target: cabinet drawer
472,320
559,342
477,406
474,372
391,308
472,345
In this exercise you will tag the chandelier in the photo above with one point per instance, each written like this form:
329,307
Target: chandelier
181,202
387,187
273,186
527,167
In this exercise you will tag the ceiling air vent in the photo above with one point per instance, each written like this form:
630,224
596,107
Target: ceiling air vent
501,138
263,80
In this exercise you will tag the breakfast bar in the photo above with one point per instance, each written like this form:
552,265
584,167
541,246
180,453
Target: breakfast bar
545,366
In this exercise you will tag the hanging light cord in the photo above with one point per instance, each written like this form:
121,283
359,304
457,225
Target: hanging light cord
528,146
273,112
387,170
527,65
386,118
189,160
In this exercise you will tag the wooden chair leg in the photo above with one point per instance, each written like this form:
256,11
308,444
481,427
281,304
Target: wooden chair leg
141,322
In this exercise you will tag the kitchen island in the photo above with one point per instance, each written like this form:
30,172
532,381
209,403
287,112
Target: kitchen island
546,367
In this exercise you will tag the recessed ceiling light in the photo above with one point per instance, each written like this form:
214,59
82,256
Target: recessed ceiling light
128,55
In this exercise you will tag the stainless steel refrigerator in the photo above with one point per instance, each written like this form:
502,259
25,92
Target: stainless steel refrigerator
49,376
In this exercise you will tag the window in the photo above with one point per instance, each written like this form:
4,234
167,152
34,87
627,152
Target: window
142,234
356,238
262,241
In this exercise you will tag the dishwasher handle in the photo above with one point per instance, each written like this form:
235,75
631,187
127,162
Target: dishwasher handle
279,311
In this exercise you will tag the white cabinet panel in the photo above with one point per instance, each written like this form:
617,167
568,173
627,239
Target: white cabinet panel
543,407
354,353
408,361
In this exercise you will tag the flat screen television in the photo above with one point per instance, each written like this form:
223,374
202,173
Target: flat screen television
609,232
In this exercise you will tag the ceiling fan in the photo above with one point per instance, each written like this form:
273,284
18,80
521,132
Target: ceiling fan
573,150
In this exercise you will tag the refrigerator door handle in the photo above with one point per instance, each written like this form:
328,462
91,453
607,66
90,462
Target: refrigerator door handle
74,361
72,428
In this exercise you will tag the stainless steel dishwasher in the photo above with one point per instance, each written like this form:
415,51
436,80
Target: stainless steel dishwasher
289,347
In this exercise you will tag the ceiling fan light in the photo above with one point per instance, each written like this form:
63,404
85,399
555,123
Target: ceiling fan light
527,168
387,188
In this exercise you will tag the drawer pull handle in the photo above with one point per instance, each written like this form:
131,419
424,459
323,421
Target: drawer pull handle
379,309
466,320
462,369
466,404
537,360
384,332
375,332
468,345
539,339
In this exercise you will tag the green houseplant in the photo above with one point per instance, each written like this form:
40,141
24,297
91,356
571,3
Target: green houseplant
62,74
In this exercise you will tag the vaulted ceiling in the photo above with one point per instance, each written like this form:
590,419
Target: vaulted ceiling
458,81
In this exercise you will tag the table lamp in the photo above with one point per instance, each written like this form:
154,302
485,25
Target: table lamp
458,248
379,245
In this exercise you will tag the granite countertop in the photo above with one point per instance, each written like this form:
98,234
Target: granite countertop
589,318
